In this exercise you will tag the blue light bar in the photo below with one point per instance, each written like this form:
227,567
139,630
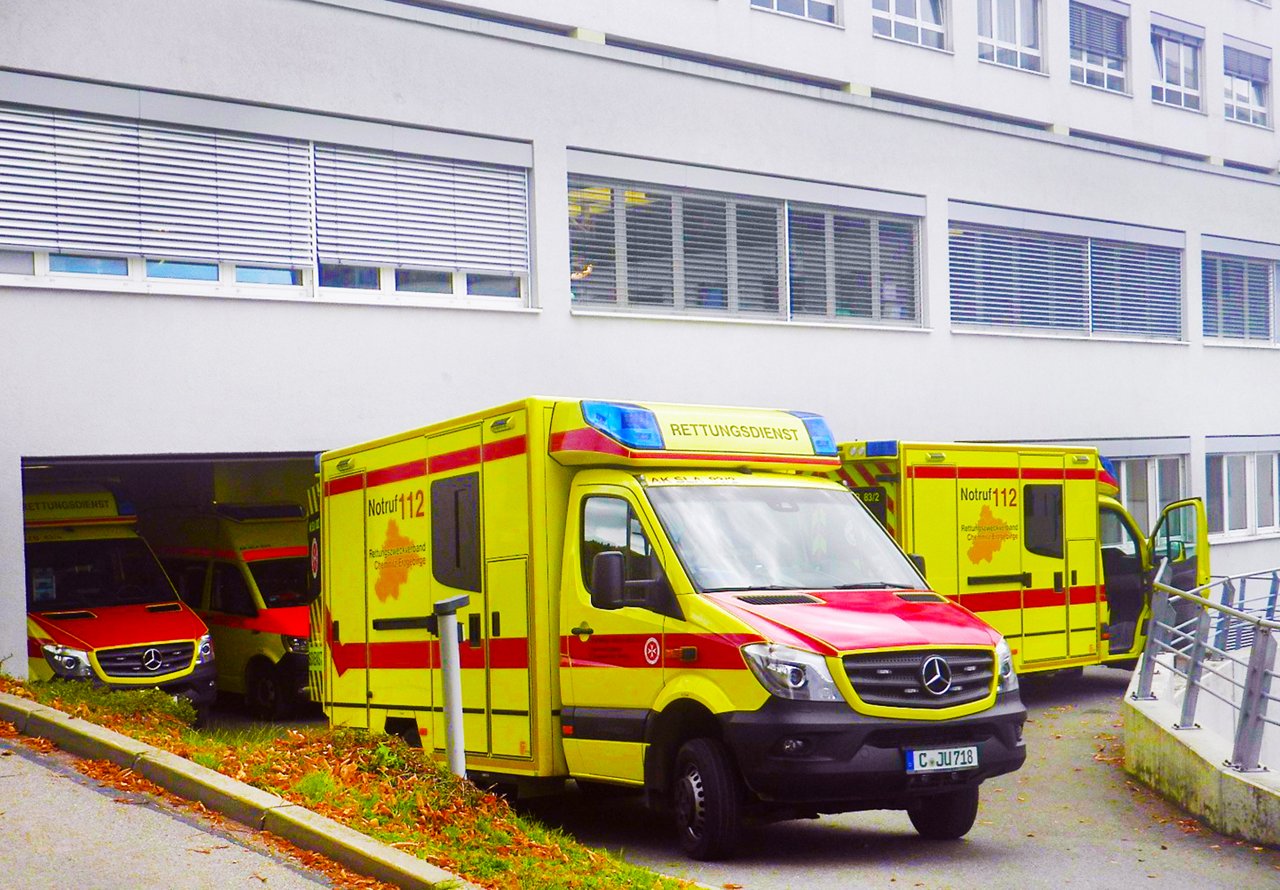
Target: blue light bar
631,425
819,433
883,448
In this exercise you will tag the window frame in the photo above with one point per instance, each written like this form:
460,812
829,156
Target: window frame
1232,103
1219,500
1149,468
1216,297
890,17
836,7
1084,61
1019,47
1165,38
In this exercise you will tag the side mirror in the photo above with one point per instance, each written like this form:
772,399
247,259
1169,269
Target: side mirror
606,580
918,561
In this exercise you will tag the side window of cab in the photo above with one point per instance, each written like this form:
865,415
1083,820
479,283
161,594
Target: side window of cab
610,524
188,577
230,593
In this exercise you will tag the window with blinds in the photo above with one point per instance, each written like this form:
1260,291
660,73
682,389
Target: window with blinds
1099,46
645,247
94,192
1026,279
1238,296
76,183
850,265
388,209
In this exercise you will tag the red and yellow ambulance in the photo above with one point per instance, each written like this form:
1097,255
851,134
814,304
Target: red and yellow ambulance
243,568
663,597
99,606
1031,539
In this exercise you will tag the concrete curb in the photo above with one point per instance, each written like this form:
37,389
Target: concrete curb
1188,767
245,804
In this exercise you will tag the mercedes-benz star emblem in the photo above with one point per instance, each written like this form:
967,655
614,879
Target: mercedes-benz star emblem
151,660
935,673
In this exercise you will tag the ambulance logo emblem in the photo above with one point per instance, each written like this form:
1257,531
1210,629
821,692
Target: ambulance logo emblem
652,650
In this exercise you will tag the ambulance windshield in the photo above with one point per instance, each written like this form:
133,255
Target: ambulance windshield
93,574
282,582
740,537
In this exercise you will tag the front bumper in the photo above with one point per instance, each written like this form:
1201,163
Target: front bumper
199,686
850,761
292,671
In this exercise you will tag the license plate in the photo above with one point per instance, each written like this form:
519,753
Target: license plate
930,760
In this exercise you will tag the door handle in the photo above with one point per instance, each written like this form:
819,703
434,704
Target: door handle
583,631
1023,579
1057,582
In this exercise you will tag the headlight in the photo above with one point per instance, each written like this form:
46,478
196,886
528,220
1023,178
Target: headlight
791,673
296,645
1004,660
204,650
71,664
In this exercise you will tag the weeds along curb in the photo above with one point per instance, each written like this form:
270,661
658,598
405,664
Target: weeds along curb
258,809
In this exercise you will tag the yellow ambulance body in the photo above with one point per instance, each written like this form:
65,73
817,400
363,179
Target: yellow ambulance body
663,597
243,568
1031,539
99,606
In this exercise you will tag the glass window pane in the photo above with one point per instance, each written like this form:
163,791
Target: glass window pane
1266,490
1030,24
264,275
1237,492
363,277
424,282
188,271
795,7
1136,495
931,11
1214,492
88,265
1006,21
17,262
493,285
1169,480
984,18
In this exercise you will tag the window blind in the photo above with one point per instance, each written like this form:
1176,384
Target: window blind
72,182
1237,296
636,245
845,264
1019,278
1097,31
1177,36
1238,63
380,208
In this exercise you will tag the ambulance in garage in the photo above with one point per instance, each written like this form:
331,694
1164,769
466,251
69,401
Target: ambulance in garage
99,606
243,568
1032,539
662,597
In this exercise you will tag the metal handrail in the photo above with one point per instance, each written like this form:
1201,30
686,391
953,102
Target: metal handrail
1187,647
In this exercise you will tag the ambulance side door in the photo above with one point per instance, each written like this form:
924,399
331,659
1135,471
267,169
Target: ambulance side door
1182,538
1041,501
611,658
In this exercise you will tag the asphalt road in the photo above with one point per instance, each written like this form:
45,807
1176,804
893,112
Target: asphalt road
1071,817
59,828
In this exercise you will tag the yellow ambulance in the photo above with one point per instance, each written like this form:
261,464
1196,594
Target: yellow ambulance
243,568
99,606
662,597
1031,539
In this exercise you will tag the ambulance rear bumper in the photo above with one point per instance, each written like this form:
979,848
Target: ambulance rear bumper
822,755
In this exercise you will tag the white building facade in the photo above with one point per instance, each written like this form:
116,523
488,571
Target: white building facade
260,227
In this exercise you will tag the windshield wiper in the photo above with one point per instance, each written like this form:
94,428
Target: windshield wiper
752,587
872,585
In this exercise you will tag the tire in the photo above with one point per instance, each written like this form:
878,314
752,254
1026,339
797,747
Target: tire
264,698
707,798
945,817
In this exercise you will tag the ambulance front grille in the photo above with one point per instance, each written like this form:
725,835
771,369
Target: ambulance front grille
897,679
136,662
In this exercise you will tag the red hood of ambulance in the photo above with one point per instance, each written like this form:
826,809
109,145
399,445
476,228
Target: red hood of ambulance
861,619
120,626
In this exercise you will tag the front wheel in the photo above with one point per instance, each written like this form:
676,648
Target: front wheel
264,696
707,796
945,817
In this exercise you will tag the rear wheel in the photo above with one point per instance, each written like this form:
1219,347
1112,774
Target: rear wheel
945,817
264,697
707,797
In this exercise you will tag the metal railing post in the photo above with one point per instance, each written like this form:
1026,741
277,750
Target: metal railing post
1273,596
1194,671
446,612
1220,639
1161,611
1253,703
